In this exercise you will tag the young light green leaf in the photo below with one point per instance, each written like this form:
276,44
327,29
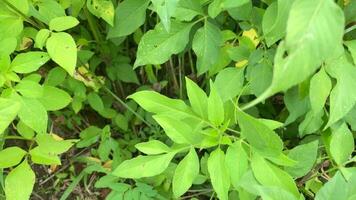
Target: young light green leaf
333,189
129,16
24,130
259,135
341,144
29,62
351,45
157,45
229,82
187,170
269,175
219,174
219,5
215,106
187,9
63,23
43,157
8,111
206,43
165,9
54,98
49,144
29,89
152,147
11,156
236,161
62,49
143,166
305,155
15,189
33,114
274,21
158,104
197,98
103,9
320,86
41,38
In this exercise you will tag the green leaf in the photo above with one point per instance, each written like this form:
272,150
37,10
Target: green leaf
156,103
187,9
41,38
274,21
197,98
62,49
11,156
29,89
54,98
129,16
320,86
229,82
15,189
8,111
29,62
43,157
206,43
236,162
296,104
143,166
341,99
152,147
63,23
341,144
305,155
260,136
351,45
102,9
333,189
187,170
219,173
215,106
157,46
269,175
165,9
177,130
125,73
95,101
219,5
33,114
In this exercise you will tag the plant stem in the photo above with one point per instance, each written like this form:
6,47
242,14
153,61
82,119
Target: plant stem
93,26
23,15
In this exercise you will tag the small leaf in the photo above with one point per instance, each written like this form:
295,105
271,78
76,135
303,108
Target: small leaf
43,157
129,16
259,135
197,98
152,147
29,89
320,86
29,62
187,170
48,143
63,23
11,156
143,166
165,9
229,82
34,115
236,162
8,111
341,144
54,98
15,189
102,9
62,49
219,174
95,101
215,106
206,43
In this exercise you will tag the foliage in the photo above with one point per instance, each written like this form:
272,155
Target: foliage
178,99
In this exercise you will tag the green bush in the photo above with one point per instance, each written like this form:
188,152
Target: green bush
178,99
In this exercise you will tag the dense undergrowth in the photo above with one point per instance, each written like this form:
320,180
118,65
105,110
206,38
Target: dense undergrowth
177,99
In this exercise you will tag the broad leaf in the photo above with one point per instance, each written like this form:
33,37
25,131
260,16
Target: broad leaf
219,5
29,62
259,135
29,89
219,174
8,111
229,82
236,161
43,157
62,49
143,166
11,156
41,38
157,46
320,86
129,16
185,173
197,98
215,106
152,147
341,144
165,9
336,188
54,98
206,43
34,115
63,23
103,9
15,189
187,9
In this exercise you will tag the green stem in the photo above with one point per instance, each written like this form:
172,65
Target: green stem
23,15
93,26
